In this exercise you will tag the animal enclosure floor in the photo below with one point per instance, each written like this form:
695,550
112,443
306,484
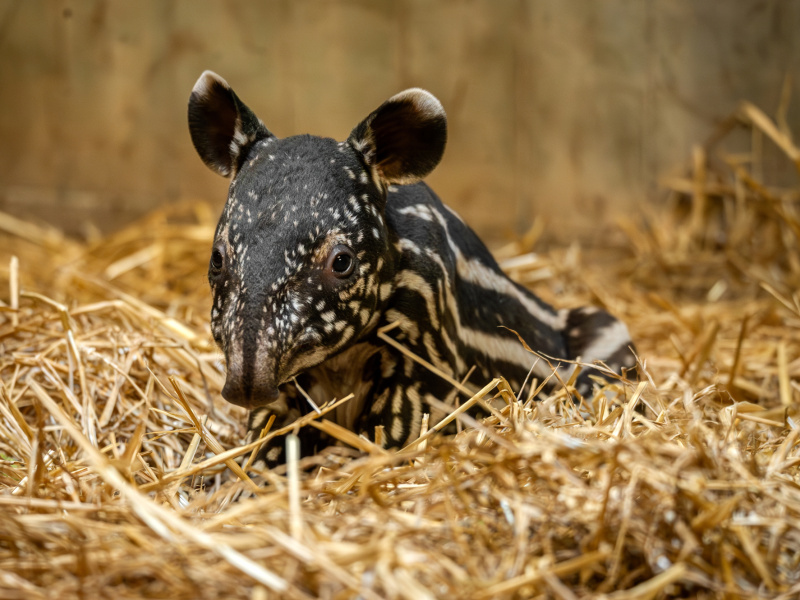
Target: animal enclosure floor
119,462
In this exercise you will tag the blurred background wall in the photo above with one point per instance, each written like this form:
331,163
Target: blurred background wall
569,110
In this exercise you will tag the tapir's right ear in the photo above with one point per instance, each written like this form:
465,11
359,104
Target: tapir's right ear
222,127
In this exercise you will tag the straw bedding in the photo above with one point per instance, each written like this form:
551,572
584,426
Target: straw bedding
120,464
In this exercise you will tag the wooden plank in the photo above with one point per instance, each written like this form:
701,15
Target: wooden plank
569,110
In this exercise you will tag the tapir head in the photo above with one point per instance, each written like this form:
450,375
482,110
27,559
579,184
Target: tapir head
302,257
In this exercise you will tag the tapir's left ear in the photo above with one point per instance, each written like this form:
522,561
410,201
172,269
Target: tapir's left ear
222,127
404,139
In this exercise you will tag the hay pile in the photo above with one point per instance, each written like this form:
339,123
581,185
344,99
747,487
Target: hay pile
119,462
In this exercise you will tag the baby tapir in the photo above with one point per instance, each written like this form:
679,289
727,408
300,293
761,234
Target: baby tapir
322,243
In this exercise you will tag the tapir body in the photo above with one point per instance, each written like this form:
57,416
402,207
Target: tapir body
321,244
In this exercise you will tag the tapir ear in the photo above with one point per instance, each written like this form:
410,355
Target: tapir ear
404,138
222,127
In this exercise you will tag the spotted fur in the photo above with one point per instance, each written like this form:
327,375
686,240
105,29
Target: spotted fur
322,243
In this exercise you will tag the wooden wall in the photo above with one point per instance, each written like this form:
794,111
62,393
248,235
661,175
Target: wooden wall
571,109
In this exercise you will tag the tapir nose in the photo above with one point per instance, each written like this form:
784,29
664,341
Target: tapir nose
251,378
246,393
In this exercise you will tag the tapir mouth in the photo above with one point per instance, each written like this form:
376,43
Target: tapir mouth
248,395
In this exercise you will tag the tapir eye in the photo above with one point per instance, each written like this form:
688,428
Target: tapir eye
217,259
341,261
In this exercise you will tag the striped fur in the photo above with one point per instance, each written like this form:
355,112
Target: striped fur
323,243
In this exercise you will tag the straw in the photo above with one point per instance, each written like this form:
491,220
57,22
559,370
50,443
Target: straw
124,474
